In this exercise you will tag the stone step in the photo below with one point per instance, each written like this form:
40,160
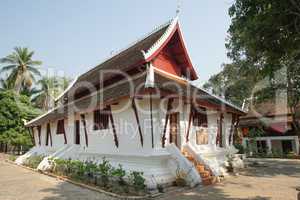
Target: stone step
207,181
205,174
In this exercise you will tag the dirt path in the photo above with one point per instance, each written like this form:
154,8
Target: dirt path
17,183
273,179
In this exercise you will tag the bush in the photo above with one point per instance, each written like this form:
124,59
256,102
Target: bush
12,158
240,148
102,175
33,161
137,180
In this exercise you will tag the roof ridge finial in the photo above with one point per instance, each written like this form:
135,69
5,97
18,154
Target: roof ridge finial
178,9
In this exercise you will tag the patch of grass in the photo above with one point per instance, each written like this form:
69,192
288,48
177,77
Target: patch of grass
12,158
33,161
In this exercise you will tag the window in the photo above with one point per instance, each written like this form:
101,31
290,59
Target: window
60,127
202,136
200,117
101,119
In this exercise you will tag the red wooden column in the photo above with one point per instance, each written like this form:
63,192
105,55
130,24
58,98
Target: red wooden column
138,121
82,116
169,107
189,123
113,127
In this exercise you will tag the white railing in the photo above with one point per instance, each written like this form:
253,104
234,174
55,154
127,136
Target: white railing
209,163
179,162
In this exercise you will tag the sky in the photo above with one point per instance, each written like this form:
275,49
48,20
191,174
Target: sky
72,36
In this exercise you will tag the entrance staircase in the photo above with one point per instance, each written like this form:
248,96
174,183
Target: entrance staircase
205,173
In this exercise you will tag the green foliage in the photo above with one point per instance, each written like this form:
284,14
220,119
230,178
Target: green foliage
49,89
137,180
21,68
240,148
232,83
266,34
120,173
12,158
263,43
102,175
33,161
14,109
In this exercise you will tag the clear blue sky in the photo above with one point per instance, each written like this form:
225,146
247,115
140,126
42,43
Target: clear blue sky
74,36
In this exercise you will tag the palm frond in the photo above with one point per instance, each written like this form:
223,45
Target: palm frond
7,68
34,70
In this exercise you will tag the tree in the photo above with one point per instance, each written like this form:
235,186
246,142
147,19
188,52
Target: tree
50,88
232,83
266,35
21,68
14,109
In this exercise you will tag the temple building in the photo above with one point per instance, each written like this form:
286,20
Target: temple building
139,108
272,129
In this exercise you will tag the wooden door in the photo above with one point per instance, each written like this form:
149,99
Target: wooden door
174,128
77,132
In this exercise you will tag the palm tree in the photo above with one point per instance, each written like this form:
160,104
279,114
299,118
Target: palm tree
45,96
21,67
50,88
5,84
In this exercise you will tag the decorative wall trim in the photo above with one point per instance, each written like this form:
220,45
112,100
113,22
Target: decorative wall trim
166,35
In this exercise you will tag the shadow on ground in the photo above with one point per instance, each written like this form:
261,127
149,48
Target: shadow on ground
272,168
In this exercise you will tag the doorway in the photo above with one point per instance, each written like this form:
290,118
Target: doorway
77,132
174,128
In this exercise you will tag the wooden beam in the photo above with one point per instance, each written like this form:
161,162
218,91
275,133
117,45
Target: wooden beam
49,134
151,117
39,129
221,130
82,116
138,121
189,123
113,127
31,132
169,107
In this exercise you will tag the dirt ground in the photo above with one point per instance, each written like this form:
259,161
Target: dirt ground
271,179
